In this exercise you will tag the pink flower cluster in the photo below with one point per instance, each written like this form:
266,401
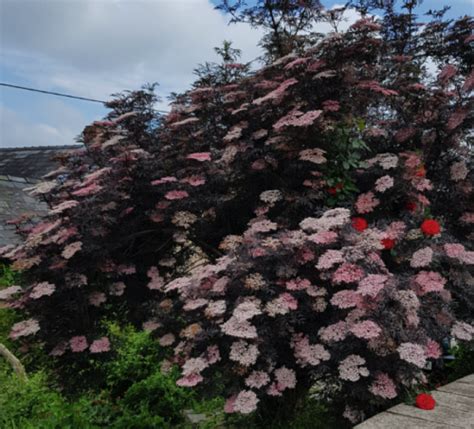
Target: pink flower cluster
276,95
413,353
156,281
24,329
459,252
335,332
166,340
323,237
101,345
372,285
215,308
42,289
239,328
432,350
462,331
366,329
281,305
244,353
348,273
285,379
65,205
191,371
315,156
383,386
308,354
329,258
97,298
429,281
245,402
89,190
9,292
117,289
71,249
352,368
200,156
396,230
410,302
263,226
257,379
297,119
459,171
421,258
384,183
298,284
376,87
386,160
346,299
78,344
334,218
366,203
176,195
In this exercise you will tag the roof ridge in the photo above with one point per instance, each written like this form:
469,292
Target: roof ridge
62,147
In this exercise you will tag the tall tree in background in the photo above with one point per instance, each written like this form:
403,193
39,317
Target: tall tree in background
288,24
228,71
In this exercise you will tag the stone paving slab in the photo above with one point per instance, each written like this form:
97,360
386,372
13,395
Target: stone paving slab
388,420
452,400
443,414
454,409
469,379
463,389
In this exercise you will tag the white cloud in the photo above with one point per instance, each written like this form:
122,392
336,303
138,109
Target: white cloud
348,18
16,130
96,47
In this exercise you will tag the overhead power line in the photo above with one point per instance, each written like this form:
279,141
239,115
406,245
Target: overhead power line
59,94
9,85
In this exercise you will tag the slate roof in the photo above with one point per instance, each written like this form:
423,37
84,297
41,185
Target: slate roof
29,162
19,168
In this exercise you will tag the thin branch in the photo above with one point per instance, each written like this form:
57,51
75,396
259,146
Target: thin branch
203,244
275,27
15,363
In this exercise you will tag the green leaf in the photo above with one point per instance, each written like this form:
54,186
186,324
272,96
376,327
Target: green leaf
360,124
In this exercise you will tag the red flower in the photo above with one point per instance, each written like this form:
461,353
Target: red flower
430,227
359,224
425,401
410,206
388,243
334,189
421,172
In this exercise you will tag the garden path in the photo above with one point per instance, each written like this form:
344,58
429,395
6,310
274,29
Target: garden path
454,409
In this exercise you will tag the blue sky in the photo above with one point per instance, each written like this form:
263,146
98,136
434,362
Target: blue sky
93,48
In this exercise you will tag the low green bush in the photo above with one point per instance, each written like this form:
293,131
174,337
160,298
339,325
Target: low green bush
8,277
157,395
463,363
130,393
33,404
135,357
7,316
